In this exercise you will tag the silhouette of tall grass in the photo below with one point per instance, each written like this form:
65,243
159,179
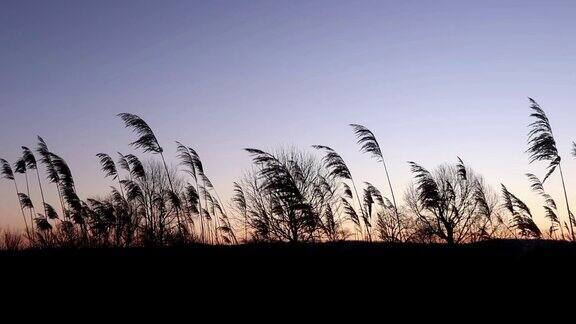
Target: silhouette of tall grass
148,142
522,217
338,169
32,164
369,144
542,147
288,195
551,210
8,174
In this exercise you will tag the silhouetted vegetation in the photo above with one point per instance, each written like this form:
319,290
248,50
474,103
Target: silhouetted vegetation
288,195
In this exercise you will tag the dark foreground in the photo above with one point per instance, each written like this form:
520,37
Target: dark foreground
265,257
333,269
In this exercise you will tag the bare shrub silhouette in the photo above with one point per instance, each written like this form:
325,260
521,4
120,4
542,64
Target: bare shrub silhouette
11,241
289,198
452,203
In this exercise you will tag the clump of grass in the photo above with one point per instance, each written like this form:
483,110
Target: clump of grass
542,147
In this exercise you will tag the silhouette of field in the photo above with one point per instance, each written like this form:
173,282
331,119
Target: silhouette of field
291,196
304,254
341,269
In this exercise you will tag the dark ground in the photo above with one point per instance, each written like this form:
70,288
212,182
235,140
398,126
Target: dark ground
504,250
367,272
380,257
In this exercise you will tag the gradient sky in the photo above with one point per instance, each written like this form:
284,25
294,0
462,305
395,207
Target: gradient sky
432,79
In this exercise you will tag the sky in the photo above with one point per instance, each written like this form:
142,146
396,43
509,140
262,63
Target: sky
432,79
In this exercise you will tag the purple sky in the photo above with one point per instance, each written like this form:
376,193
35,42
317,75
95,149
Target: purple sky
432,79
